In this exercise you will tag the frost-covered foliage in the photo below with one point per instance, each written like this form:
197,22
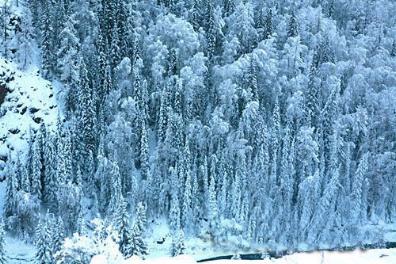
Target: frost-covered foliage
3,257
80,248
244,122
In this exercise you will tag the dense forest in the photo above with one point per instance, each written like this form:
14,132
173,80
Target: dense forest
248,122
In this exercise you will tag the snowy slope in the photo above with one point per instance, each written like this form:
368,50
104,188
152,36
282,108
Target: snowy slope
29,102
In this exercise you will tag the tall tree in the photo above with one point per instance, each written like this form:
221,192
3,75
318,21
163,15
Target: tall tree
3,257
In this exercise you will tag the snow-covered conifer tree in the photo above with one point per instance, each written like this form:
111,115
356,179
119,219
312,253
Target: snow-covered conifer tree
3,257
178,247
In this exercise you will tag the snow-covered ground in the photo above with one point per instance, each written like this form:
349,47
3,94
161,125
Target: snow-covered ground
18,251
30,101
375,256
159,245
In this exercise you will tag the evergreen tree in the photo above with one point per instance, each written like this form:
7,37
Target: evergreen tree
187,195
174,213
138,246
64,160
58,234
121,225
144,153
86,122
178,247
213,210
3,257
268,24
44,254
37,167
68,62
292,29
357,189
141,220
242,26
115,189
11,191
47,44
50,180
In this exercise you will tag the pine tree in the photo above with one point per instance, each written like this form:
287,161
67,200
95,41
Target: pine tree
86,121
187,195
195,14
11,191
37,168
174,213
312,100
3,257
252,85
163,115
44,254
64,161
292,30
325,213
115,189
138,246
268,24
115,53
223,195
242,26
237,187
68,60
122,226
58,234
25,179
178,247
50,181
213,210
141,220
47,44
393,51
144,152
357,189
25,52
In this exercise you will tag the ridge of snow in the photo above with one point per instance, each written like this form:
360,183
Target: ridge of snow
29,102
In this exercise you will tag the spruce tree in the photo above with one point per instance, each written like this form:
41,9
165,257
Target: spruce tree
86,121
174,213
58,234
11,191
47,44
144,152
357,188
187,195
268,24
37,168
3,257
44,253
68,62
140,247
292,30
178,246
50,180
122,226
213,210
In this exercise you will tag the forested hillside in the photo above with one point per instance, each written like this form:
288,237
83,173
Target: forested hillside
246,122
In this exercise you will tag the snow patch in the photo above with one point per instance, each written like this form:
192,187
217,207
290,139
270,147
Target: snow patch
30,101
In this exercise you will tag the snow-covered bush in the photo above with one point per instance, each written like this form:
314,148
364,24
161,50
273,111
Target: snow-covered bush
82,248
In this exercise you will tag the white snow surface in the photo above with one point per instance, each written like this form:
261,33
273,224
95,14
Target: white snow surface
30,102
375,256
